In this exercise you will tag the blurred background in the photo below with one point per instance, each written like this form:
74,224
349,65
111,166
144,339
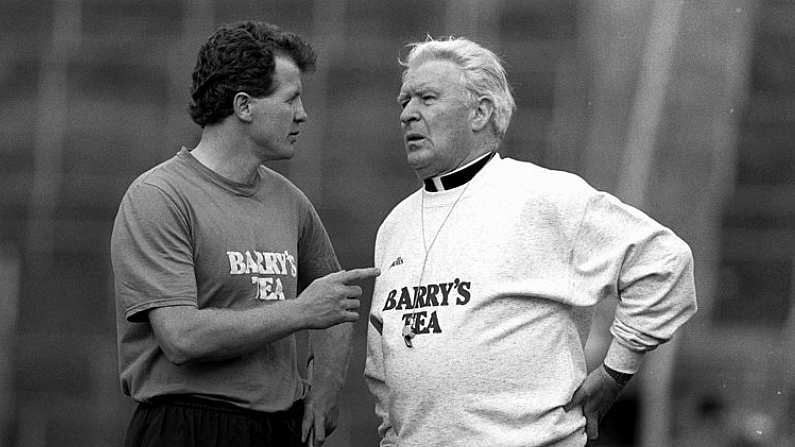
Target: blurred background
683,109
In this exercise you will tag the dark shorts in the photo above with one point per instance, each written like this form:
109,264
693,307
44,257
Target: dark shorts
181,421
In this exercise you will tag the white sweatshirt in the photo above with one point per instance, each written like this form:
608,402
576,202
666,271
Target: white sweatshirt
505,303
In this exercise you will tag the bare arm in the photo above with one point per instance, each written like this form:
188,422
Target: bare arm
332,349
187,334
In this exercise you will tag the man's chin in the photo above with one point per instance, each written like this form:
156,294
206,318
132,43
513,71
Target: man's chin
417,158
420,167
415,163
282,153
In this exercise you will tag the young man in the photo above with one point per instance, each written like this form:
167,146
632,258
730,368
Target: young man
490,273
218,261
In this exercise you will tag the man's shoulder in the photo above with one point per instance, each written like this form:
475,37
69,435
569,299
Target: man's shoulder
161,176
276,181
271,175
530,177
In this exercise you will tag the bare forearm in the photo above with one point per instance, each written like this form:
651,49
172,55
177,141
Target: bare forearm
332,349
194,335
188,334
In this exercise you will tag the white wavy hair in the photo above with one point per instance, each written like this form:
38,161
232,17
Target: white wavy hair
483,72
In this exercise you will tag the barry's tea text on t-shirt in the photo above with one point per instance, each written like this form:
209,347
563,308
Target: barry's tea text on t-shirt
257,263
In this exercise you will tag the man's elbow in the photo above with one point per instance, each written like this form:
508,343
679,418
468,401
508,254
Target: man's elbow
684,255
186,349
179,350
178,333
181,344
680,250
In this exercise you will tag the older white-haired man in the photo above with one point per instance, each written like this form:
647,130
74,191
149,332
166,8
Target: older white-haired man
490,272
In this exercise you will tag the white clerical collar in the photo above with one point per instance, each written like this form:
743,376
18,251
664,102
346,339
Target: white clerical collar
458,177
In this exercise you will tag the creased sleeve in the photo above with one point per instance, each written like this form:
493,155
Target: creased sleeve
621,252
374,374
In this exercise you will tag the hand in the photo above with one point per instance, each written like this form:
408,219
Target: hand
320,418
332,300
596,395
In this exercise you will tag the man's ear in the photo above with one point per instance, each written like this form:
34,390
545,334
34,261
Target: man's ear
241,105
481,114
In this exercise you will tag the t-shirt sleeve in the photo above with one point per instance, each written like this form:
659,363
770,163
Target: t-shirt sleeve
316,255
619,251
151,253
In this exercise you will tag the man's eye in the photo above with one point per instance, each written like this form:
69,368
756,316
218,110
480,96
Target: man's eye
428,98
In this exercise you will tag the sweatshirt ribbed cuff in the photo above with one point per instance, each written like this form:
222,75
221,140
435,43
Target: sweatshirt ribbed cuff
623,359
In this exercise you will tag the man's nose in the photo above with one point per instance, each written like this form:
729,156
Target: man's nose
300,113
409,113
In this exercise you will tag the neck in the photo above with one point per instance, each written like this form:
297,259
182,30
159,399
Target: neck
225,153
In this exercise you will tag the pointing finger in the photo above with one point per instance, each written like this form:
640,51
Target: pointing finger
347,276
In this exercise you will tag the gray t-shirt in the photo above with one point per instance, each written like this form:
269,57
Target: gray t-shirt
184,235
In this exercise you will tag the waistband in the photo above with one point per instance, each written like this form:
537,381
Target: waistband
200,403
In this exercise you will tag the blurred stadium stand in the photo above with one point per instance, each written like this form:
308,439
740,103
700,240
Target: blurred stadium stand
94,92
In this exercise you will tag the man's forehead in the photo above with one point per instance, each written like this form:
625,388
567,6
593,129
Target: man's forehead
431,74
287,73
411,85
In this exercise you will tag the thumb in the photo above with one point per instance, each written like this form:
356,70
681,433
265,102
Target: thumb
576,400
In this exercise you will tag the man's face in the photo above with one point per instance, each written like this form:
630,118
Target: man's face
435,118
277,117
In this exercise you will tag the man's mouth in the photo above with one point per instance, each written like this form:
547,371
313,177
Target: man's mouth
413,138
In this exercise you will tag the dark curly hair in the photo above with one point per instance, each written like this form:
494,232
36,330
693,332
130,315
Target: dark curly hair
240,57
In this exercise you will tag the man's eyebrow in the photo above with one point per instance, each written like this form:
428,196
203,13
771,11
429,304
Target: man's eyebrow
416,89
296,92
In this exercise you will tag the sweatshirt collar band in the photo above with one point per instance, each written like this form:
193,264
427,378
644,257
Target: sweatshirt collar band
458,177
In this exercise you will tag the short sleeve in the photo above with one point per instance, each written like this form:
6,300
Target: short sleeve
151,253
316,255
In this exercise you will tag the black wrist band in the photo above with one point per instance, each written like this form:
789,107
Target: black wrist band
620,378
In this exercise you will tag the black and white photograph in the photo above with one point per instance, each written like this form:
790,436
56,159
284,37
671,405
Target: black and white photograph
397,223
